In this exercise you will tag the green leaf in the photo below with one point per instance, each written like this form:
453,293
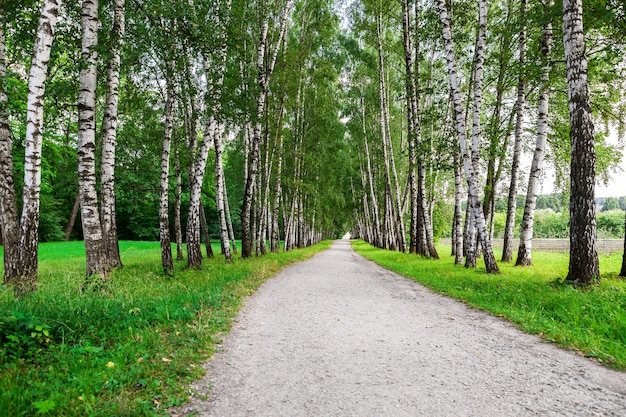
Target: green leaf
43,407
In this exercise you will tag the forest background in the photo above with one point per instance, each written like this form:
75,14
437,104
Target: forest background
328,49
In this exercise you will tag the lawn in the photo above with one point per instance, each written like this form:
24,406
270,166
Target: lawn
590,321
130,348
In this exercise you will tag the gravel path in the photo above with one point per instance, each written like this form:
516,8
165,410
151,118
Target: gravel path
339,336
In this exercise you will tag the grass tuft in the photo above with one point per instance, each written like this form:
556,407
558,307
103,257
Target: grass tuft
590,321
131,347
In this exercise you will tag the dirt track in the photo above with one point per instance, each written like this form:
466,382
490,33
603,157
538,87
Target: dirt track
339,336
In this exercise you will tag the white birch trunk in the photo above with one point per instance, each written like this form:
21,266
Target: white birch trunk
26,281
509,228
524,254
194,253
97,264
167,261
178,229
109,132
219,195
458,210
479,63
275,238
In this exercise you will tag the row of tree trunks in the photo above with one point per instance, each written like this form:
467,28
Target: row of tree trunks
457,224
377,233
421,235
396,234
196,177
204,227
265,63
470,172
101,247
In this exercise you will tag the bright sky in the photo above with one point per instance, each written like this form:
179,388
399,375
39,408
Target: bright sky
617,185
615,188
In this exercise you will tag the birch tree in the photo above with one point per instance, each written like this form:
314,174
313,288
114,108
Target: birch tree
9,221
471,176
164,221
507,249
417,180
97,264
26,280
584,267
220,195
109,132
215,80
524,254
265,62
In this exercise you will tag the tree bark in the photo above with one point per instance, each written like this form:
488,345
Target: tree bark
26,279
509,228
9,223
178,228
219,195
275,238
164,220
109,132
194,251
377,229
584,268
265,68
490,262
229,221
97,263
412,114
458,210
425,210
524,254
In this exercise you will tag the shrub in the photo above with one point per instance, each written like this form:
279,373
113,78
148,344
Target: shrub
610,224
22,336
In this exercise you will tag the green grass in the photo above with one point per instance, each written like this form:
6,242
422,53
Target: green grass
130,348
591,322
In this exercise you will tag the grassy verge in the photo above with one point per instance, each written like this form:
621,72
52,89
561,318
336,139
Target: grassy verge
591,322
129,349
